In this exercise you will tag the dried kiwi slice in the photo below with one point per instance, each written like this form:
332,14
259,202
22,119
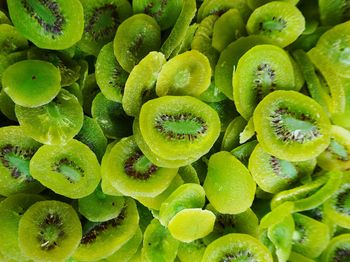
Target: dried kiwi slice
236,247
338,249
54,123
189,252
31,83
49,231
16,150
178,127
10,39
186,74
333,12
280,21
269,68
291,126
7,106
131,173
52,24
232,133
71,169
135,38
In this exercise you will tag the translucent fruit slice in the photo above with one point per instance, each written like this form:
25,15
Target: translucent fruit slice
31,83
291,126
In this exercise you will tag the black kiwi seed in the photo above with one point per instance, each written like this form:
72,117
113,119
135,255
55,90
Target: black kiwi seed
279,24
57,166
51,221
341,254
239,255
130,170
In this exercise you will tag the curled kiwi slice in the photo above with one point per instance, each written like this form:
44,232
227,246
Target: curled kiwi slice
31,83
280,21
338,249
49,230
291,126
71,169
135,38
239,247
52,24
131,173
179,127
54,123
10,39
186,74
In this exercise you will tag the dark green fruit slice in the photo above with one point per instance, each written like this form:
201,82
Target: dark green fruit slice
291,126
338,249
49,231
135,38
226,111
158,244
243,152
89,89
186,74
179,127
101,20
333,12
140,84
70,170
99,207
212,94
189,174
101,240
260,71
11,211
131,173
280,21
52,24
16,150
54,123
7,106
232,133
306,42
228,181
236,247
11,40
110,76
31,83
4,19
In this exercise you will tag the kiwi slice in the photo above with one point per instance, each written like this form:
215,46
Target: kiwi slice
70,170
291,126
101,20
243,152
193,251
11,211
338,249
272,71
189,174
135,38
140,84
110,76
53,24
49,230
237,247
212,94
16,150
131,173
333,12
7,106
54,123
31,83
89,89
179,127
102,239
228,180
186,74
231,136
158,244
341,119
280,21
226,111
11,40
253,4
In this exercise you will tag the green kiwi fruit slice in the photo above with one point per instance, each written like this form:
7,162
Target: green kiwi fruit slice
187,41
236,247
31,83
101,20
272,71
212,94
53,24
141,82
181,225
228,181
226,111
16,151
243,152
178,127
311,237
8,59
189,174
193,251
231,136
131,173
253,4
11,40
89,89
333,12
102,239
135,38
110,76
49,231
70,170
341,119
54,123
188,73
99,207
280,21
4,19
158,244
185,196
336,155
338,249
11,211
7,106
291,126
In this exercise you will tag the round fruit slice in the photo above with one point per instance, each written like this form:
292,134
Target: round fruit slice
49,231
338,249
291,126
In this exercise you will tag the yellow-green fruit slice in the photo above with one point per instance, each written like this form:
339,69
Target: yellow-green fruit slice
337,249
